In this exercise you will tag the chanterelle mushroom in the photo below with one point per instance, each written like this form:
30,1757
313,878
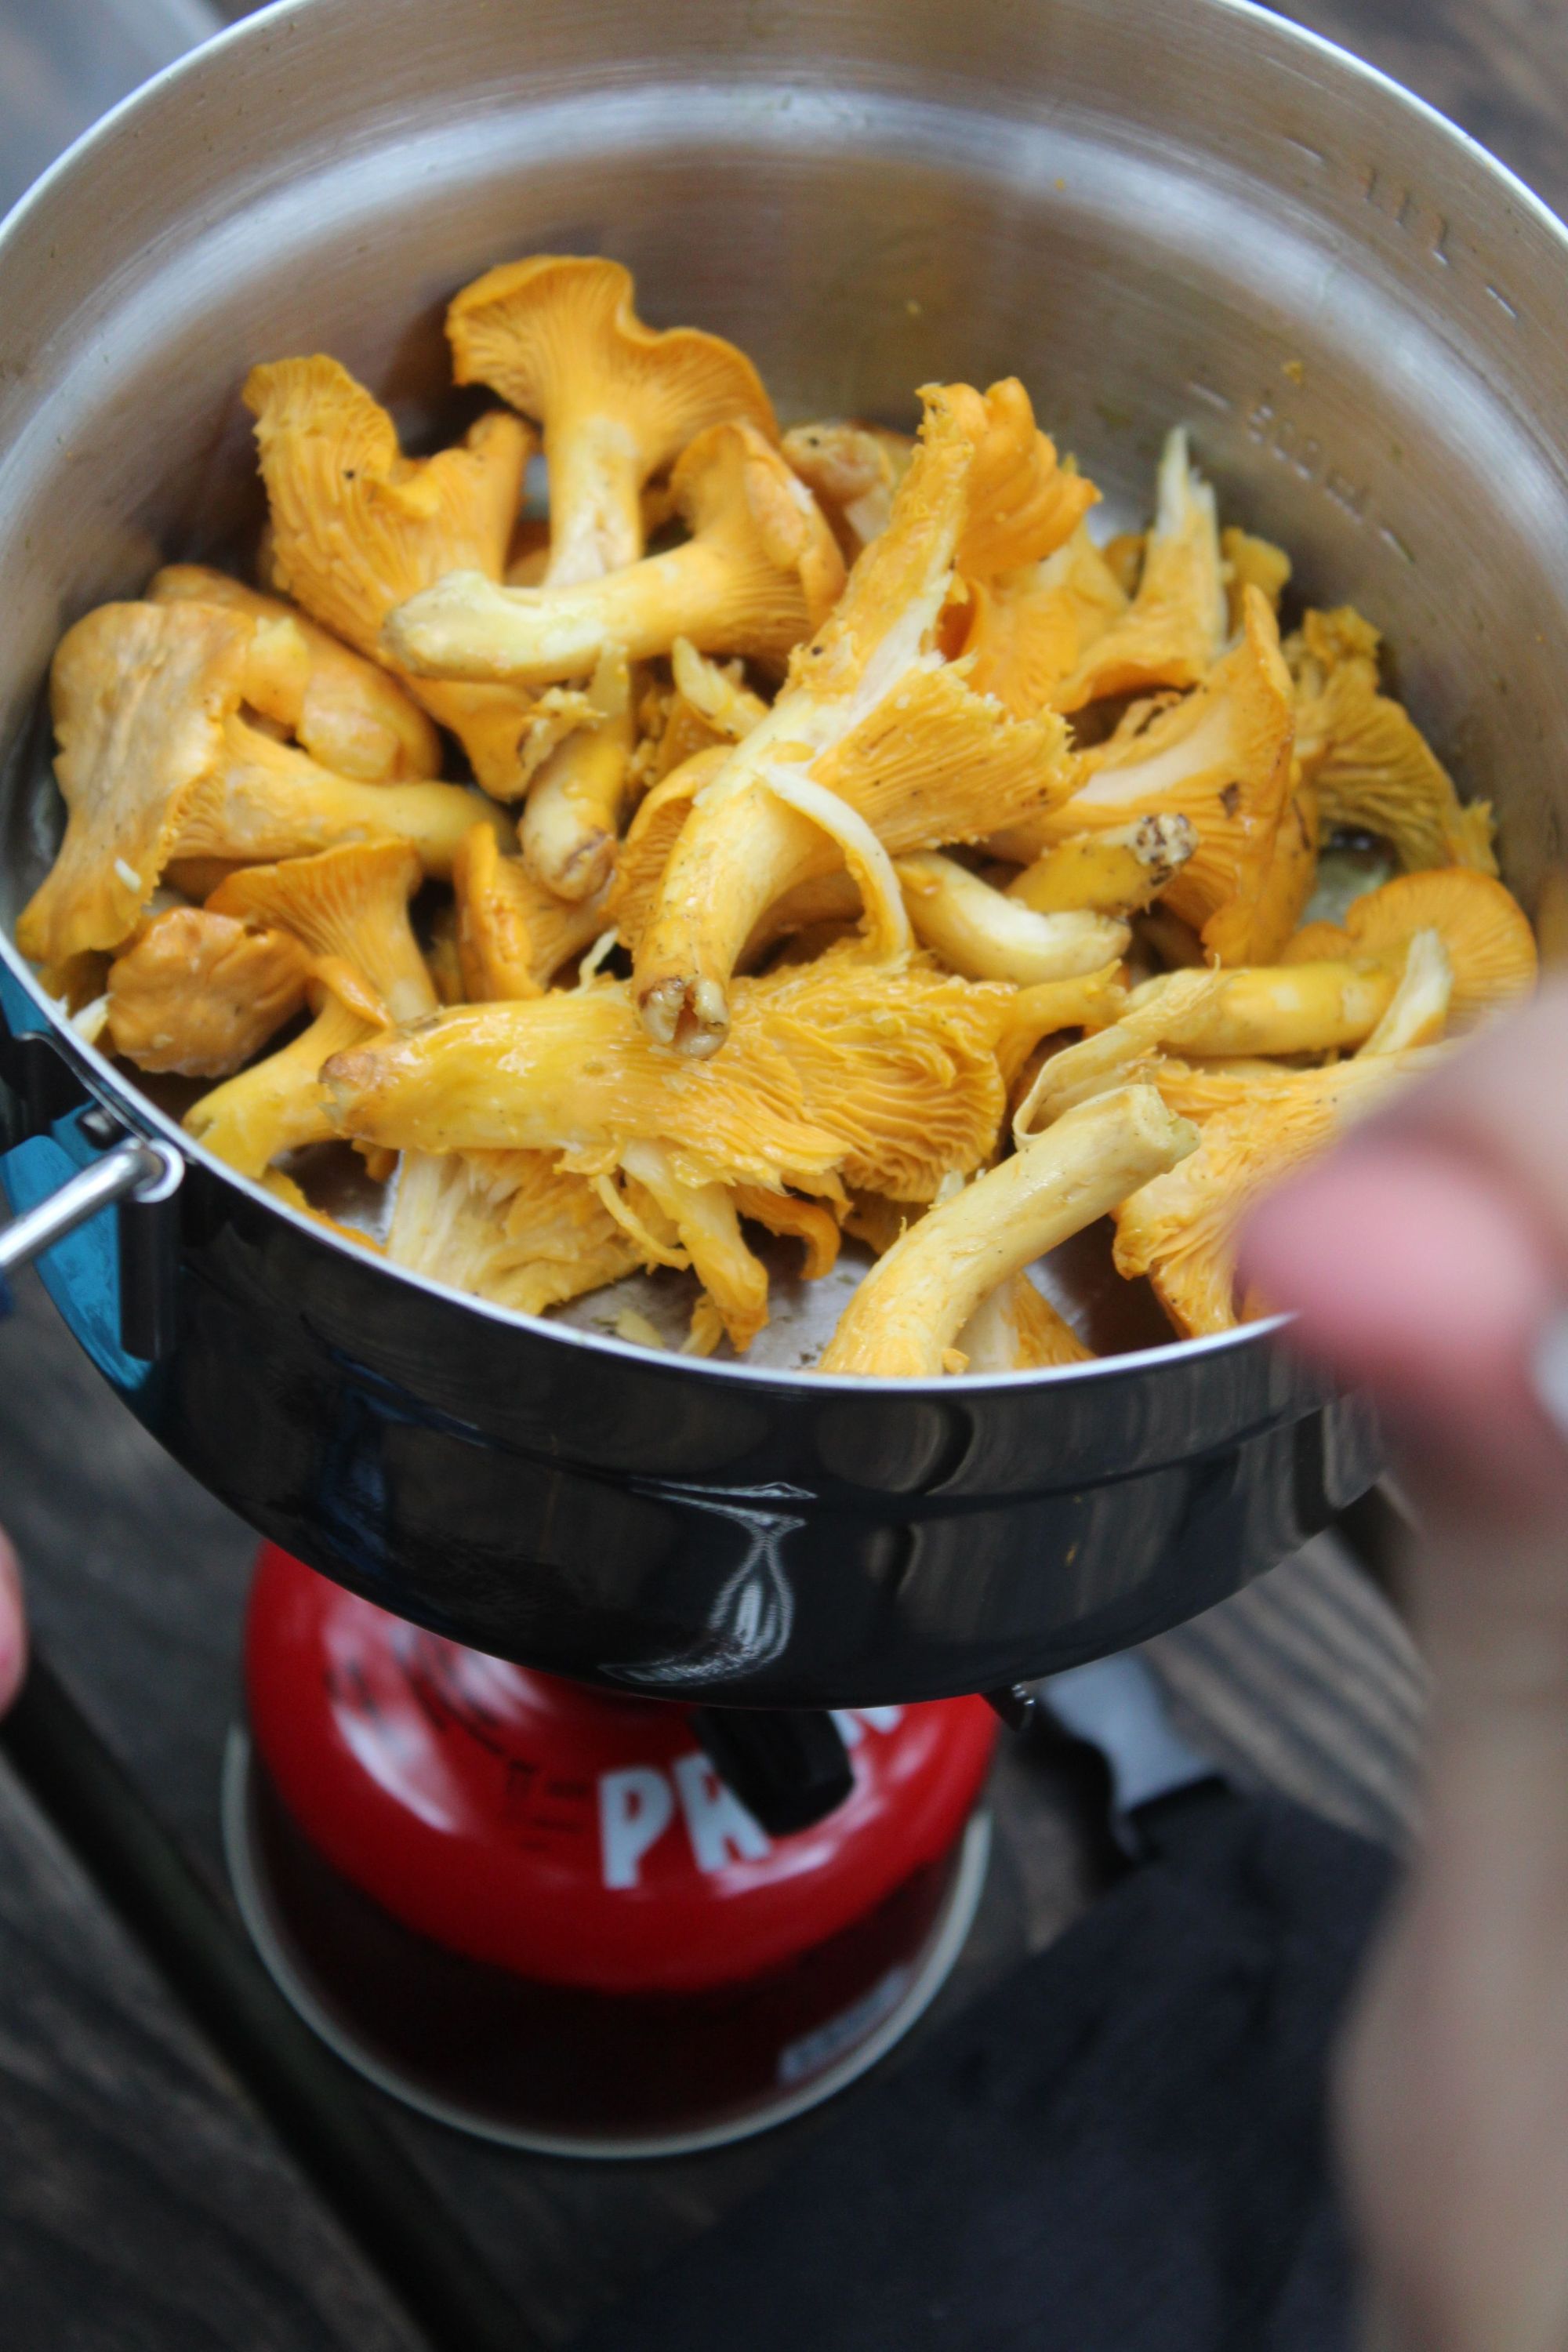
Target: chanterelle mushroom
758,572
906,1317
853,472
513,937
888,1090
505,1225
1181,1229
1023,504
617,401
350,715
350,908
199,993
1223,758
138,694
1026,633
278,1105
1371,764
871,716
260,799
1174,629
350,903
1484,930
357,527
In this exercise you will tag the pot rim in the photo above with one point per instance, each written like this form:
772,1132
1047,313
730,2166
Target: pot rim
1254,22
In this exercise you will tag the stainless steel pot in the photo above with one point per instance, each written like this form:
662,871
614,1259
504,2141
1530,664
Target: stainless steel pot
1147,212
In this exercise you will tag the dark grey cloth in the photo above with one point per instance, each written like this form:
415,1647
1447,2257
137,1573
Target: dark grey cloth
1120,2150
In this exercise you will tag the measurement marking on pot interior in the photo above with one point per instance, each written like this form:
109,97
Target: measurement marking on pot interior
1210,393
1304,453
1406,210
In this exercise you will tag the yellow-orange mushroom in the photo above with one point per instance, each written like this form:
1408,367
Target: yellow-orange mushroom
350,714
357,527
198,993
905,1318
758,574
617,401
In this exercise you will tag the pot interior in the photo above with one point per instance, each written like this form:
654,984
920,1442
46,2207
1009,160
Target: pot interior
1151,215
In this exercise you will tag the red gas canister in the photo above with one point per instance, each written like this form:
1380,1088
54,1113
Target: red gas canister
540,1910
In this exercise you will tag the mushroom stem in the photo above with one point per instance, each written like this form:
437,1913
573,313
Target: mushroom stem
572,812
758,572
278,1105
1114,873
467,627
512,936
909,1311
266,801
721,879
596,473
1265,1010
986,935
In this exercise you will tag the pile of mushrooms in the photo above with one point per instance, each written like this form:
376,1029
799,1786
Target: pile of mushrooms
815,833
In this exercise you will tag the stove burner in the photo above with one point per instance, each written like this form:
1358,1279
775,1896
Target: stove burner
565,2072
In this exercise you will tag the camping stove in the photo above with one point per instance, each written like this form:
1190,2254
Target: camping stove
582,1923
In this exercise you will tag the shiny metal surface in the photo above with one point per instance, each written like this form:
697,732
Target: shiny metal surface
1148,213
64,62
129,1169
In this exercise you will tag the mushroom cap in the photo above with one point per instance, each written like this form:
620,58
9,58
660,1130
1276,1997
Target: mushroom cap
198,993
732,487
357,526
1255,925
509,1226
350,903
1485,931
1371,764
513,935
1222,758
139,695
1027,633
1023,503
853,470
559,337
1181,1230
1252,562
1174,629
353,717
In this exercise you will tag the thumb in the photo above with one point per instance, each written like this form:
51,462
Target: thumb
1415,1274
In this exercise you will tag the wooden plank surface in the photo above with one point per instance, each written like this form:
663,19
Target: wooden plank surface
143,2205
137,1583
1496,68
